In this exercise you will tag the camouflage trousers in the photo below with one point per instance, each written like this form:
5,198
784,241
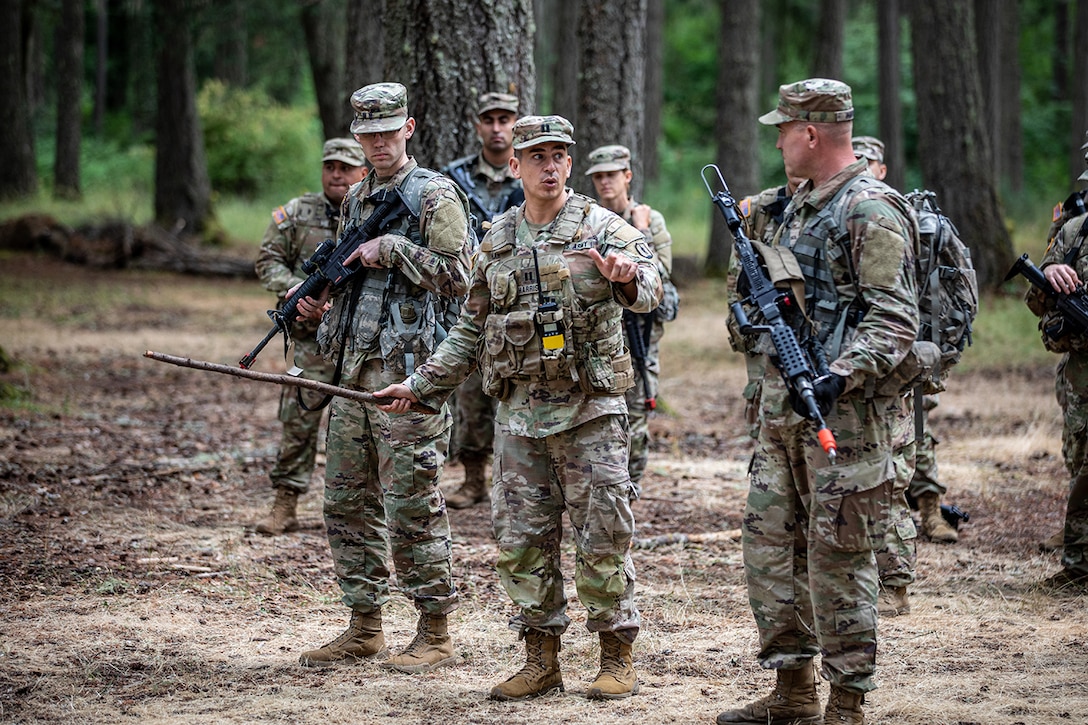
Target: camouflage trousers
474,419
1072,392
896,559
638,418
925,469
810,531
583,472
301,428
381,494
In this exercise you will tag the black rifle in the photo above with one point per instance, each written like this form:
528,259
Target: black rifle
791,359
949,512
638,328
1073,306
463,178
326,266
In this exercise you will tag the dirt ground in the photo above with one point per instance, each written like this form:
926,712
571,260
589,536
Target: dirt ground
130,590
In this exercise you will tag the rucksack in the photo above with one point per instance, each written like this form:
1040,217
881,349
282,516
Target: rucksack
947,286
1071,208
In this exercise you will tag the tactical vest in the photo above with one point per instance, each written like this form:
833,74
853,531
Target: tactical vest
526,340
485,206
313,220
405,320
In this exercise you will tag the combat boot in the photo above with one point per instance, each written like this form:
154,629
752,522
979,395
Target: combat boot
617,678
893,602
474,489
844,707
431,648
1055,542
792,702
282,518
539,676
933,524
363,640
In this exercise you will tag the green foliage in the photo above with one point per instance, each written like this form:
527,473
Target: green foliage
255,146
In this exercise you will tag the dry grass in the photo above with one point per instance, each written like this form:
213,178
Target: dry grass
129,591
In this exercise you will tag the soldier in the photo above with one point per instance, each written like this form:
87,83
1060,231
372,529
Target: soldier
383,469
610,169
548,287
491,188
291,238
1065,266
809,526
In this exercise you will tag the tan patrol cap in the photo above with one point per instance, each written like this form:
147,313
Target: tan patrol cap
816,100
533,130
347,150
379,107
500,101
868,147
609,158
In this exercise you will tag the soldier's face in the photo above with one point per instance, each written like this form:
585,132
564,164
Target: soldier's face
337,177
611,185
496,129
543,170
386,151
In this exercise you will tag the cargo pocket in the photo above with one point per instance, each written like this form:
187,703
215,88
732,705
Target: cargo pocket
430,552
610,524
858,620
854,504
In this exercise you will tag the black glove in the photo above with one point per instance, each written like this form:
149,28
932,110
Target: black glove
826,389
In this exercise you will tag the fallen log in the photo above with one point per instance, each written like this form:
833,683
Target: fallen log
360,396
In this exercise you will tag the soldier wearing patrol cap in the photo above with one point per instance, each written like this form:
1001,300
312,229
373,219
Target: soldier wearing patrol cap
610,170
492,188
810,526
382,470
543,319
296,229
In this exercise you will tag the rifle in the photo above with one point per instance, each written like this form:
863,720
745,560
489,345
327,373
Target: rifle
1073,306
634,324
463,178
326,266
794,363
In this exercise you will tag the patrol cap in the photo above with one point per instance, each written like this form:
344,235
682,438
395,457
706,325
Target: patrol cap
532,130
379,107
347,150
609,158
868,147
816,100
500,101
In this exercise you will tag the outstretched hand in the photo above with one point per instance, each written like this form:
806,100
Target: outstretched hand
402,395
615,267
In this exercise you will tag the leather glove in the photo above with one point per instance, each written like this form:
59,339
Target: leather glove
826,389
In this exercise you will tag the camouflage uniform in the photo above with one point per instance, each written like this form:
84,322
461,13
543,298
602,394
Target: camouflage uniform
561,436
810,528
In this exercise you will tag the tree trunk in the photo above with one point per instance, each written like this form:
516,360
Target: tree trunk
231,56
1060,52
952,141
364,48
546,50
829,39
891,111
611,34
326,49
69,55
18,173
101,62
493,47
1080,90
182,188
1011,150
736,127
654,95
988,35
568,65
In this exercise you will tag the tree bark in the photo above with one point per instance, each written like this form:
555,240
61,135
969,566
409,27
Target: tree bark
182,187
1011,150
736,127
18,173
326,49
988,35
231,56
364,47
829,39
611,34
568,65
654,94
891,111
69,55
492,44
957,162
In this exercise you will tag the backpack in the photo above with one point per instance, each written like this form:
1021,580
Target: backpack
947,286
1071,208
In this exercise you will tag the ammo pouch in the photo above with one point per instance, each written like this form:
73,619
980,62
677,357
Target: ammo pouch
408,336
513,351
602,362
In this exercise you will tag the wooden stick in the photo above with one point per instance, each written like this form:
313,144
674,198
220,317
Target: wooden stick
700,538
359,396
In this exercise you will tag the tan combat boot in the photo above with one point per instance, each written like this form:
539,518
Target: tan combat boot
363,640
431,648
539,676
933,524
474,489
282,518
617,678
893,602
1055,542
844,707
792,702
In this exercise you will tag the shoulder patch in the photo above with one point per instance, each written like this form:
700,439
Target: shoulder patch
644,250
1057,212
279,215
745,207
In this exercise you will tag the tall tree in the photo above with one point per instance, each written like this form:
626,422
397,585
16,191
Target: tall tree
18,174
323,26
1080,90
232,43
654,93
492,44
957,161
830,35
182,187
988,36
1011,150
611,34
735,126
68,51
568,64
891,110
364,48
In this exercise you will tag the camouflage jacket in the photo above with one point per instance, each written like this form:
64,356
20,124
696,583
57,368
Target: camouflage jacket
505,286
1063,244
490,190
871,270
422,259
